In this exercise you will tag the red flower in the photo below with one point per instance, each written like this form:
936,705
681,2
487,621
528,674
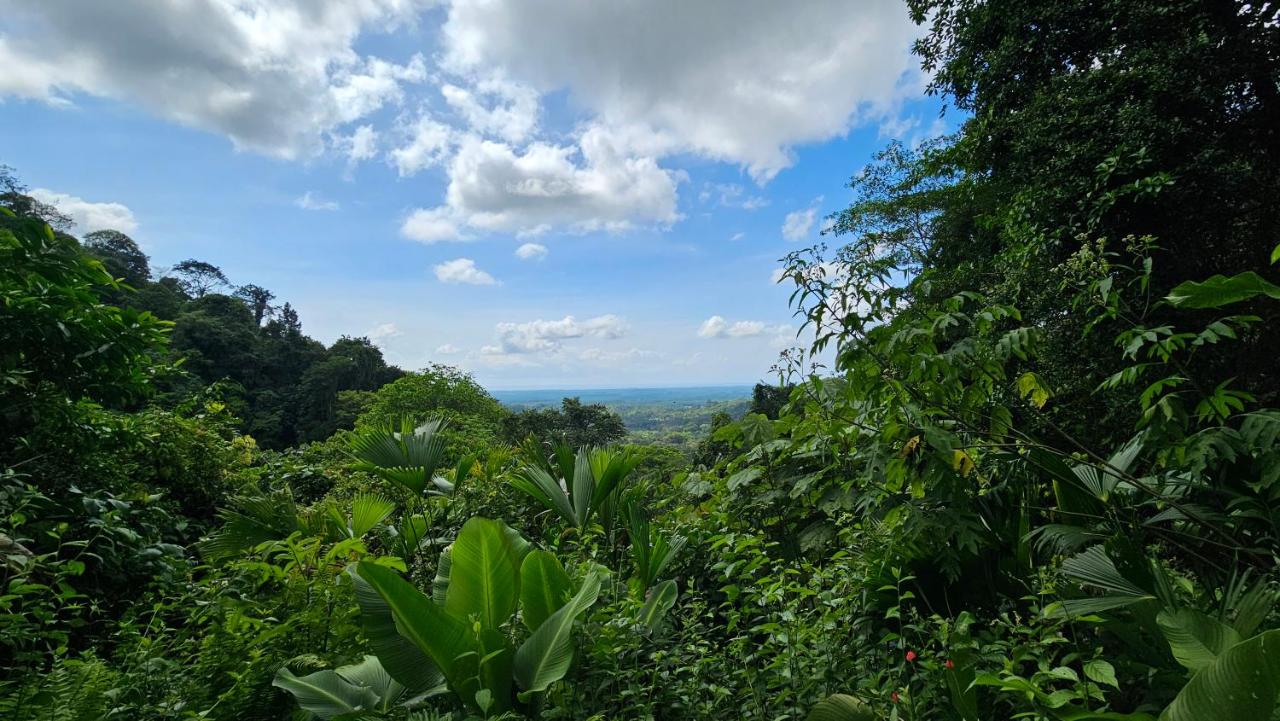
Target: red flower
894,696
950,664
911,656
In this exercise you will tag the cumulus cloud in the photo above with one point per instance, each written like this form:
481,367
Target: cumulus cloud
800,72
273,77
428,144
717,327
547,335
463,270
798,223
89,216
593,185
531,251
448,349
310,201
495,106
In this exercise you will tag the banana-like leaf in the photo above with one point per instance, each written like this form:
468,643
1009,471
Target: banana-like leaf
840,707
439,635
659,602
440,584
367,511
1239,684
327,694
545,656
1195,639
544,588
484,578
403,660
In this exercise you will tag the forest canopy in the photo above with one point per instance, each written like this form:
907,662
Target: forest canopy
1037,478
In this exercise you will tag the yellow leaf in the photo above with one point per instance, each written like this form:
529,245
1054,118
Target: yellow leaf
1029,385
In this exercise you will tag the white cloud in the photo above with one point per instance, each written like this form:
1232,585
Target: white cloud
89,216
361,145
737,236
736,80
546,335
273,77
431,226
463,270
448,349
593,185
717,327
731,195
531,251
610,358
384,332
713,327
309,201
495,106
429,144
798,223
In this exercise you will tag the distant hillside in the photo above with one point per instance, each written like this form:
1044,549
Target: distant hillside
672,416
687,396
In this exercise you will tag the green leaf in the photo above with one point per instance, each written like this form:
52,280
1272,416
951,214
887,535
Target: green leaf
326,694
442,637
660,600
544,588
545,489
1195,639
1100,671
401,658
484,577
1220,290
367,511
840,707
1241,683
545,656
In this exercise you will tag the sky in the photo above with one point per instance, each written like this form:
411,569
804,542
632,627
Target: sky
548,194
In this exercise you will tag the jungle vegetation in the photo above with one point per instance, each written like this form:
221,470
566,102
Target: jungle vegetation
1040,479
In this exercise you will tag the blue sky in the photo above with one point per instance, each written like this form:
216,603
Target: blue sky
379,163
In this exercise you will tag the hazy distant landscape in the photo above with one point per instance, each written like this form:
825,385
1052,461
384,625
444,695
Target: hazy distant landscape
677,416
1002,276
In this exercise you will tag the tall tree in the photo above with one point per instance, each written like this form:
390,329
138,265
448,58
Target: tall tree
259,301
198,277
120,254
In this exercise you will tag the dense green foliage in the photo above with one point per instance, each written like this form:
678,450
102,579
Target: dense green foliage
1038,480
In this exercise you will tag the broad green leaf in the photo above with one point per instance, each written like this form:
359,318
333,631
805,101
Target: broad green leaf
660,600
840,707
484,574
440,584
1239,684
441,636
545,656
1220,290
326,694
1100,671
402,659
1195,639
544,588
